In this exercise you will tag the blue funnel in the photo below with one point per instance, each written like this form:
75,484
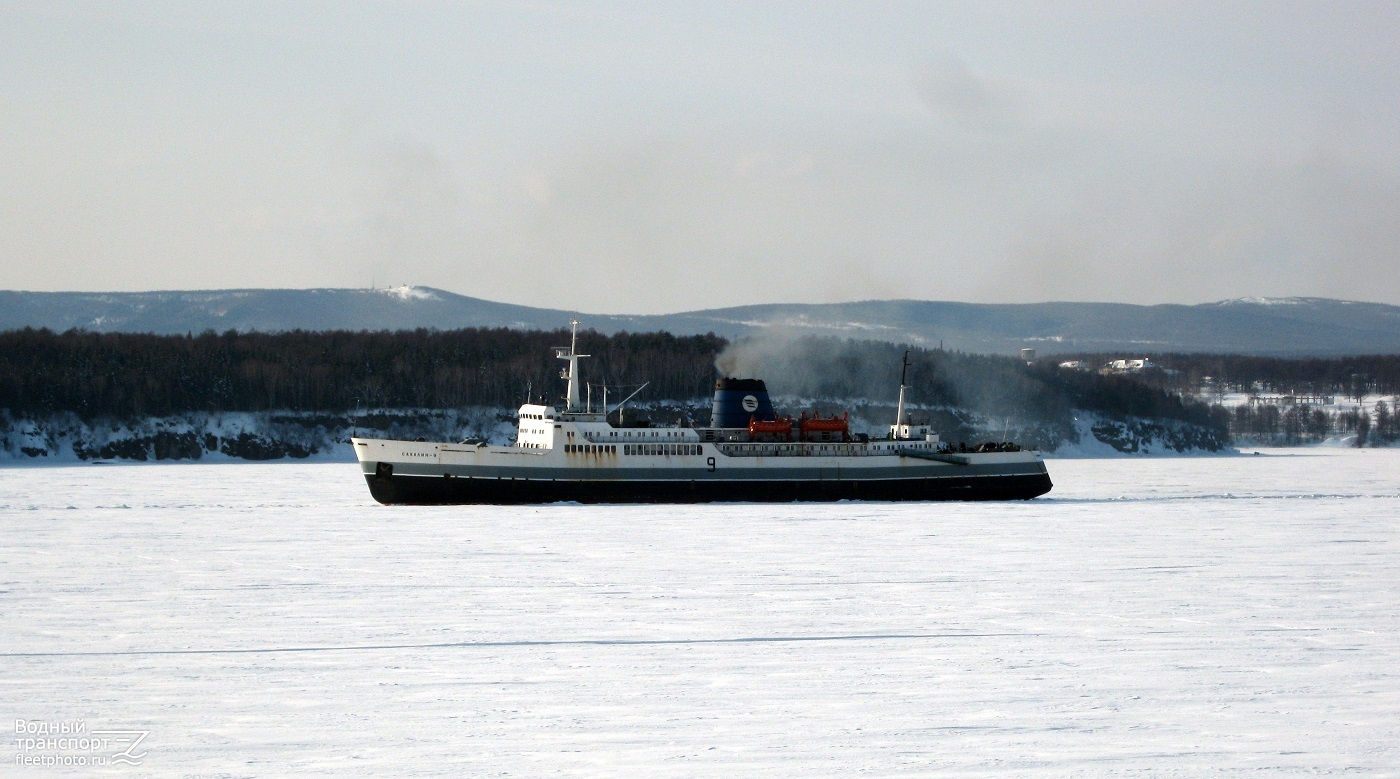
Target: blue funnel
739,400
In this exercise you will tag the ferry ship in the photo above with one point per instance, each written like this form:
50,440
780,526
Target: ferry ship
573,452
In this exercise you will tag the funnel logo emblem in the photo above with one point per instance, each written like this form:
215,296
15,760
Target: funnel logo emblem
750,403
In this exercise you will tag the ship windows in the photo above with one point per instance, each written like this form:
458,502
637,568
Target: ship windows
591,449
657,449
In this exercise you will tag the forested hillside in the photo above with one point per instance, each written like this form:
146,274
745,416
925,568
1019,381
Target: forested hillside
1207,374
125,375
1284,402
57,387
130,375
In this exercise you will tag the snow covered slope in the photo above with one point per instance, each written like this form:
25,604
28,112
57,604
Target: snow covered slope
395,308
1282,326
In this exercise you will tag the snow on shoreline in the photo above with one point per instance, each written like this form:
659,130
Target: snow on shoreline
235,436
65,438
238,437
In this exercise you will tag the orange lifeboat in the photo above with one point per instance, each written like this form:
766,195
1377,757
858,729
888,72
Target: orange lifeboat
835,424
782,427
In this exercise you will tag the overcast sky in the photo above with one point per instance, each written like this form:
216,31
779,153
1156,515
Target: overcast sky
650,157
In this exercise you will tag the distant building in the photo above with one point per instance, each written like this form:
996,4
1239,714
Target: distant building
1128,366
1075,365
1291,400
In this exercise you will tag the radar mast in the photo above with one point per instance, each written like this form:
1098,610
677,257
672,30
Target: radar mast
570,373
899,418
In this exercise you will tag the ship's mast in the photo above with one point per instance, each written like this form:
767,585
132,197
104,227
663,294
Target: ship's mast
903,374
571,354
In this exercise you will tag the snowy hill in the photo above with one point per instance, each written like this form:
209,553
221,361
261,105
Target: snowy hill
1276,326
271,310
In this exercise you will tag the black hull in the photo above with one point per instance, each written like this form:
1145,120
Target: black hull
440,490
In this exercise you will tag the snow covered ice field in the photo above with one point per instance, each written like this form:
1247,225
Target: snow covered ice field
1150,617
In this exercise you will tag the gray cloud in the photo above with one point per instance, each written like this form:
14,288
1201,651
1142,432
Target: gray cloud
952,93
647,161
